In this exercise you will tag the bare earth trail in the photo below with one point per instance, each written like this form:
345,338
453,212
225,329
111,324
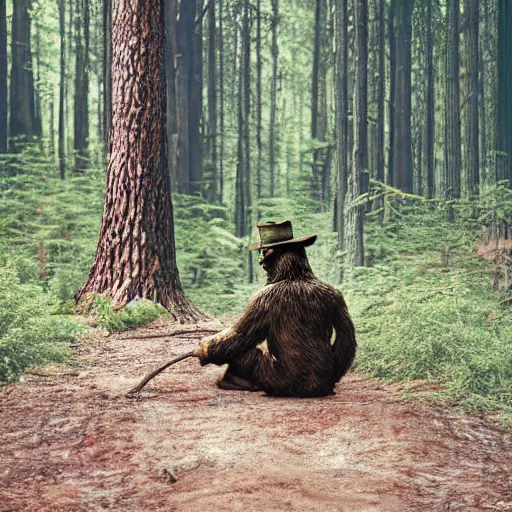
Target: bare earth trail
75,443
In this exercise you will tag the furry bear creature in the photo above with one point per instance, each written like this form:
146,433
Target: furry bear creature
310,338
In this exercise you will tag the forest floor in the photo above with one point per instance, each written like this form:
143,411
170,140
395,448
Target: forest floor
70,441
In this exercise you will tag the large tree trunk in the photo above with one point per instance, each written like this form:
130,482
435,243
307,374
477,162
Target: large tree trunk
354,242
472,170
23,123
380,96
136,250
341,122
107,71
504,135
430,107
273,98
3,77
81,108
402,139
451,181
62,90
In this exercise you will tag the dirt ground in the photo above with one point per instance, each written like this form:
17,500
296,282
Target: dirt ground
75,443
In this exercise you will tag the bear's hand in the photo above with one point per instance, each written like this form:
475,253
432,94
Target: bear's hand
202,352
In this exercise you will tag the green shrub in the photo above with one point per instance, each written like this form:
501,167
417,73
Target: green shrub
28,334
135,314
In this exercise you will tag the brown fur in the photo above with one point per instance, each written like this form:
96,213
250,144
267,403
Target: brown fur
296,313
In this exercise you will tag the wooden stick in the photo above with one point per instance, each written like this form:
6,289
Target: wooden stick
153,374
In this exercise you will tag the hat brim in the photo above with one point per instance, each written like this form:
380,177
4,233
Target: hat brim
303,240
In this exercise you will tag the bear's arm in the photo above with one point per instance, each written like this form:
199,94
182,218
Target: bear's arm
344,346
247,332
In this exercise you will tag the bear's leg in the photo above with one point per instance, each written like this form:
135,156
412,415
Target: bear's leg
240,374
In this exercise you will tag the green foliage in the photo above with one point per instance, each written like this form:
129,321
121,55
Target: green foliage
28,333
135,314
426,311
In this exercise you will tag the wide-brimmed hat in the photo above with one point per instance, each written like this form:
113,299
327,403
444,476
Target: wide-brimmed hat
273,234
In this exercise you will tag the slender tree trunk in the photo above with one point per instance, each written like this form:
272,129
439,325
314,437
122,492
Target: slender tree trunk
430,107
392,86
318,102
380,96
62,90
37,95
23,123
3,77
185,28
212,103
196,177
451,182
341,123
107,72
482,110
171,15
273,98
136,250
472,171
402,139
354,242
504,135
259,109
221,100
81,108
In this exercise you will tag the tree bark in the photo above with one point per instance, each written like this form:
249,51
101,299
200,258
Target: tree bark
380,96
402,138
136,249
3,77
471,174
81,110
354,242
451,181
221,101
504,135
23,124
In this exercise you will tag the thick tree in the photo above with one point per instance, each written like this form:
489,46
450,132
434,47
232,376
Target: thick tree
81,106
451,182
402,138
354,242
136,256
23,121
3,77
504,135
472,167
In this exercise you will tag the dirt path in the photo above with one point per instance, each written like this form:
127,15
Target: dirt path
74,443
